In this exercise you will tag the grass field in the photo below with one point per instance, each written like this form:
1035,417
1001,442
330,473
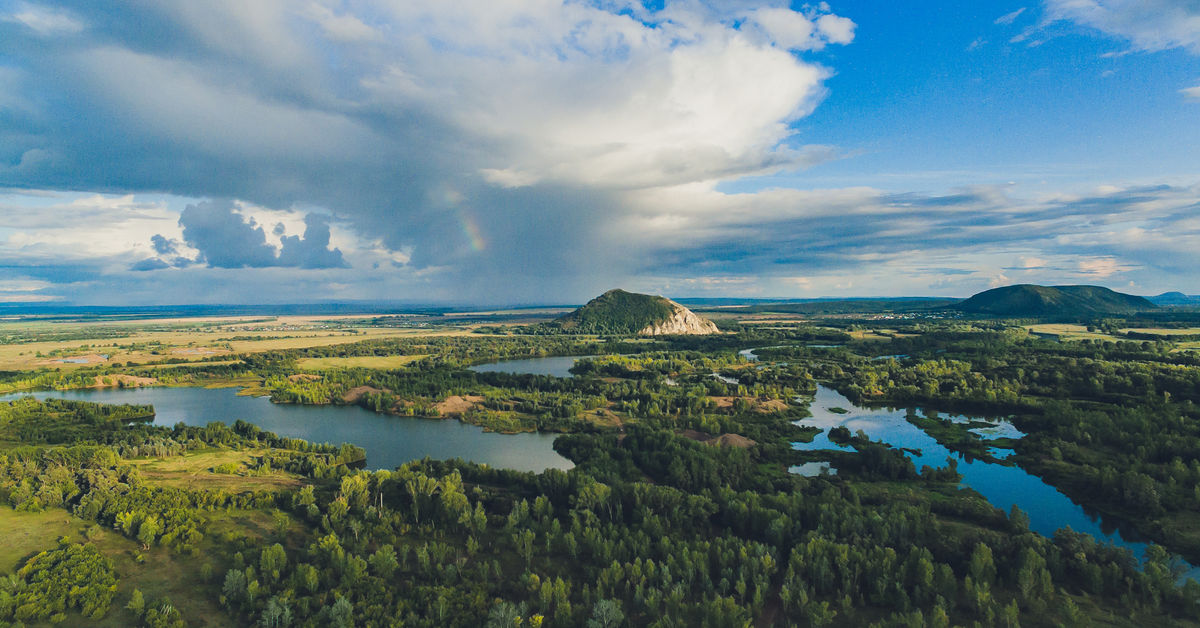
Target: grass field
97,342
194,471
871,335
156,572
363,361
27,533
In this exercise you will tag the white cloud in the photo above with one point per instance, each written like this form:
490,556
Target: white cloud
19,285
1191,93
577,94
1102,267
86,227
341,28
1148,25
1009,18
45,21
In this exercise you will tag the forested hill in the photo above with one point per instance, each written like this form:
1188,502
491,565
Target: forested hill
621,312
1032,300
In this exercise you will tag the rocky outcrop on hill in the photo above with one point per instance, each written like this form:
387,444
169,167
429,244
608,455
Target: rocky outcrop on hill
629,313
682,321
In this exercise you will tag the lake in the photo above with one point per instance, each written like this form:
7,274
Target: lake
1003,486
390,441
556,366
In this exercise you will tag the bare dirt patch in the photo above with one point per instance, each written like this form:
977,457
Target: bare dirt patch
723,402
758,405
731,440
772,405
605,417
123,381
724,440
456,404
356,393
304,377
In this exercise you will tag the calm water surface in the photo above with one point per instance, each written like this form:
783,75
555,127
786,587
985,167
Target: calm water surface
1003,486
557,366
390,441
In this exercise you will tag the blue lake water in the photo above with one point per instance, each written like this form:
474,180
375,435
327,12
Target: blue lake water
390,441
556,366
1003,486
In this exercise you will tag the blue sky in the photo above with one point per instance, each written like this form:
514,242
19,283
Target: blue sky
535,151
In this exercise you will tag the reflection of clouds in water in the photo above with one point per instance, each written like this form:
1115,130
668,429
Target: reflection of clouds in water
868,425
1003,486
1002,429
812,469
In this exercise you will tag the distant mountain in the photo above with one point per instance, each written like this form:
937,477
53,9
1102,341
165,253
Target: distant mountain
857,305
1031,300
1174,298
621,312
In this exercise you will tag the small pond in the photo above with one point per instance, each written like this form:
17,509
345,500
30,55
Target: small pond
556,366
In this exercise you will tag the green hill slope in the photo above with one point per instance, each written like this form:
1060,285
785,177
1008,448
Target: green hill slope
1032,300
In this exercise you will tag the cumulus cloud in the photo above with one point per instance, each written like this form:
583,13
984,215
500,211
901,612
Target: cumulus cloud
1191,93
162,245
312,250
491,151
226,238
459,135
1147,25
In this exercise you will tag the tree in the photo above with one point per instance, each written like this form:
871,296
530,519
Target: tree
272,561
137,603
523,541
234,588
383,562
341,614
505,615
606,614
148,531
277,614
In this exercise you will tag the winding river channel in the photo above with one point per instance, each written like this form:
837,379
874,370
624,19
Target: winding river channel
1002,485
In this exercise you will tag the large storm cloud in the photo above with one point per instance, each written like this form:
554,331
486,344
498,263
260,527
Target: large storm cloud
481,138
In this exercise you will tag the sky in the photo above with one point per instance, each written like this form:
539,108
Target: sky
539,151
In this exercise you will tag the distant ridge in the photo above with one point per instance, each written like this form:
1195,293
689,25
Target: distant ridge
1033,300
1174,298
621,312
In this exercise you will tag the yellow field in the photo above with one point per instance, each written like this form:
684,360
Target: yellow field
1163,332
194,471
1069,332
871,335
362,361
186,339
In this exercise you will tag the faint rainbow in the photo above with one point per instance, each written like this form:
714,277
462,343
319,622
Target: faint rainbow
471,231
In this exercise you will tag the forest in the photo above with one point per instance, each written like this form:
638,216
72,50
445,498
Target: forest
659,523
